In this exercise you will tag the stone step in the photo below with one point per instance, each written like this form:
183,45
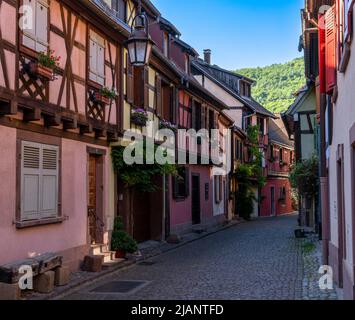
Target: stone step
107,256
113,263
97,249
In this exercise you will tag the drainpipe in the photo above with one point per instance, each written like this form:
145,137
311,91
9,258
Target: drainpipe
164,209
325,231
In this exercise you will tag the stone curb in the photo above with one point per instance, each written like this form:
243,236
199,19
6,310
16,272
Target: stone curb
71,288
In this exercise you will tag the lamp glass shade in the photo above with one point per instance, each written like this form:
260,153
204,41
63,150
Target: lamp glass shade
139,49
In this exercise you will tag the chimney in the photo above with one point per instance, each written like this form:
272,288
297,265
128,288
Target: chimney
207,55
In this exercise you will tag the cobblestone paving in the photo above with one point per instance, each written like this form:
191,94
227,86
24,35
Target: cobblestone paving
256,260
312,260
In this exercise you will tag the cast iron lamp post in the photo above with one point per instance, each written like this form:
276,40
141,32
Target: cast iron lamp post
139,44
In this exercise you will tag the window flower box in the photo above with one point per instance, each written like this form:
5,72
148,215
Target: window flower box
44,66
167,125
139,117
98,98
104,96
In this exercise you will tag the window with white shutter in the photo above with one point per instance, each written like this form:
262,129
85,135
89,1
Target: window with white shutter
97,58
35,35
39,181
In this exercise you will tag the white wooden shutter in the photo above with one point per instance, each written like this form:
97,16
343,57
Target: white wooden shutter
49,182
101,64
41,26
29,34
93,60
97,58
39,181
30,181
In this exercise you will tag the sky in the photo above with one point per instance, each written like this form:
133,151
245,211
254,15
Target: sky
240,33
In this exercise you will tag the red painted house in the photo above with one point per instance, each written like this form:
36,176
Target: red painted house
276,195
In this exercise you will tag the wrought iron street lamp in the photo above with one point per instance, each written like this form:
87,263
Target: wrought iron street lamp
139,44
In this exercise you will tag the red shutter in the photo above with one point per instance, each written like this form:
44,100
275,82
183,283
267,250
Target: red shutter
330,49
321,46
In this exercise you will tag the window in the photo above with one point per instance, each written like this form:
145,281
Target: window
181,184
36,38
281,158
197,116
244,89
185,110
97,58
271,152
39,181
261,124
237,149
120,8
283,195
218,189
166,44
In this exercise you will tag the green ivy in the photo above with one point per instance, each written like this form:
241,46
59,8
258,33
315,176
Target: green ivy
250,175
139,176
304,176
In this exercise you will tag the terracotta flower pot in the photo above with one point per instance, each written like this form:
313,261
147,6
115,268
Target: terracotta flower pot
45,72
120,254
35,70
99,98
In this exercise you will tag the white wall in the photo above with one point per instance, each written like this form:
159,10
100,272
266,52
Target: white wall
344,119
228,99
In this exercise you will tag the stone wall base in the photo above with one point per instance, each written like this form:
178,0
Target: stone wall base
73,257
182,229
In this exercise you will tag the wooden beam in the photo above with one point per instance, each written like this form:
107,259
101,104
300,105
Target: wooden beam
100,133
52,120
70,123
8,107
32,114
86,128
112,136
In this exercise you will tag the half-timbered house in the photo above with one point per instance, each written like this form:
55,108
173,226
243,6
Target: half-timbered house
56,124
236,91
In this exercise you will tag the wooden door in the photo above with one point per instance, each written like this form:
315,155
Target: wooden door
92,175
196,201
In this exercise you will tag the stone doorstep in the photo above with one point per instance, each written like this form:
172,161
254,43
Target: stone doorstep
154,251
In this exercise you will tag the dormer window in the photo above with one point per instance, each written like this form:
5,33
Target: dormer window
166,44
244,89
119,8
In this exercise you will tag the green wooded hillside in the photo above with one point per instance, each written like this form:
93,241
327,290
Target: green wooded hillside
276,83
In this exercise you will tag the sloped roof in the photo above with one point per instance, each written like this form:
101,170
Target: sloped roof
249,102
277,133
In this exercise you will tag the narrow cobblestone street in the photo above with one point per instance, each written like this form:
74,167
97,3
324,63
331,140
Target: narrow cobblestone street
256,260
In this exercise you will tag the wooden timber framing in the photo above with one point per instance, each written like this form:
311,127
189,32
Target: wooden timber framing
32,103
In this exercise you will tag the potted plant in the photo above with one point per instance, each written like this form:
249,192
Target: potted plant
166,125
139,117
121,241
105,95
44,66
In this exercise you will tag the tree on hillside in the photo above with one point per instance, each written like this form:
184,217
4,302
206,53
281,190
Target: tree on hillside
276,84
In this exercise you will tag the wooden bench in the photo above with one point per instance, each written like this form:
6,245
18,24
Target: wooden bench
10,274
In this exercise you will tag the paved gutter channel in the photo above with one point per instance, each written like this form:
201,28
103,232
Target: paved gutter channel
80,279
